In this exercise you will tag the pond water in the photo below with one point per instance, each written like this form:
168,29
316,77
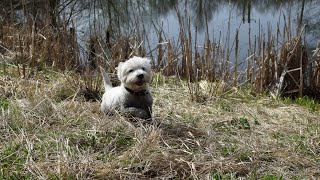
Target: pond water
151,17
223,17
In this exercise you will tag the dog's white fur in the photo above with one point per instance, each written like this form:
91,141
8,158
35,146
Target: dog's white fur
132,97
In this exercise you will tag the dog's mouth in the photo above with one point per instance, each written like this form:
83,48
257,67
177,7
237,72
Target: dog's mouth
139,83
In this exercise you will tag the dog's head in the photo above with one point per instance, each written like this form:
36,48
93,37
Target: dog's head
135,73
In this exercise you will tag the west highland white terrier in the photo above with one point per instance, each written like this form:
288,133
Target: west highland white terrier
132,98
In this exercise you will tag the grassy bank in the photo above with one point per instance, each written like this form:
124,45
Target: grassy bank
48,130
219,122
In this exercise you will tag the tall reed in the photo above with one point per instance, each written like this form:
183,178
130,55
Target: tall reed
42,41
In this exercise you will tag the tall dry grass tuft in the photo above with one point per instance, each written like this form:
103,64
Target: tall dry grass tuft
281,69
37,43
315,72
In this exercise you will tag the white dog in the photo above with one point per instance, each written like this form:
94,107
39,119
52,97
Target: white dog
132,98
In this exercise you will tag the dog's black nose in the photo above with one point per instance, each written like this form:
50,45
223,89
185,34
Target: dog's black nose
140,76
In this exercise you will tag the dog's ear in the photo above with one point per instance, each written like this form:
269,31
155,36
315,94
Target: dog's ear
148,60
119,66
148,63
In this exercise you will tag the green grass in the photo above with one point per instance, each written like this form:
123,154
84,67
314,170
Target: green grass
215,175
4,103
271,177
13,157
311,104
240,123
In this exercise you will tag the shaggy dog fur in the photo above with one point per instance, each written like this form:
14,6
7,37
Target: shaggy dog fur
132,98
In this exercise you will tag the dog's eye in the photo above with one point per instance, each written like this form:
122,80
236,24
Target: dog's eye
143,69
131,70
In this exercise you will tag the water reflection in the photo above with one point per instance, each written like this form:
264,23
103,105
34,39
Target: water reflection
202,9
245,12
124,17
311,18
162,7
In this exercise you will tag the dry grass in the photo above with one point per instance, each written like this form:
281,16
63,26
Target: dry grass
208,127
48,130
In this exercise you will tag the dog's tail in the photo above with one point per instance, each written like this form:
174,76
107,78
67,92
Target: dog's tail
106,81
